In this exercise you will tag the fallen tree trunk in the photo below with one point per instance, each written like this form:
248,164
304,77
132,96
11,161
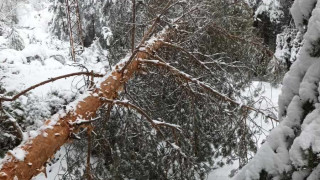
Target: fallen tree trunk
55,133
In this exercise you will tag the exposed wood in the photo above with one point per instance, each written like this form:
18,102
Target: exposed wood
44,146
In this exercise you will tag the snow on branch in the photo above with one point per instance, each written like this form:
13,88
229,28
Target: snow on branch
83,121
233,37
46,82
205,86
41,147
155,124
15,124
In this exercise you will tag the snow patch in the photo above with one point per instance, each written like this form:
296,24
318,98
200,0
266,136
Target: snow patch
18,153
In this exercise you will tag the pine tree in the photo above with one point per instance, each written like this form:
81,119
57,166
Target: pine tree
291,150
202,127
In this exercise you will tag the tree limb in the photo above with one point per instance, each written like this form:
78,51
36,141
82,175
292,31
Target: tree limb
189,78
153,123
40,148
46,82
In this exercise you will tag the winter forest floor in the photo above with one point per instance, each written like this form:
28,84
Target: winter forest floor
45,57
270,95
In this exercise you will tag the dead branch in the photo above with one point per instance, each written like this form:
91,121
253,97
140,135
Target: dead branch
154,124
224,32
189,78
48,81
42,147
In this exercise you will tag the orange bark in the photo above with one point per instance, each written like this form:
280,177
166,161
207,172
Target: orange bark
41,148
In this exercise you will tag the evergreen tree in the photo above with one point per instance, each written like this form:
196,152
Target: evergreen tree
291,150
211,40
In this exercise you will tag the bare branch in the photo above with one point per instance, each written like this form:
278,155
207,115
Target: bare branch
205,86
154,124
88,168
241,39
198,61
48,81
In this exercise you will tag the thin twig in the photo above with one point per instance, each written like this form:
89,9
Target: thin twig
15,125
148,118
190,55
89,176
133,33
146,36
189,78
48,81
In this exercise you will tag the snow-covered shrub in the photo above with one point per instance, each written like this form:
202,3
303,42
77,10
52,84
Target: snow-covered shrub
288,45
291,150
272,8
15,41
8,10
59,23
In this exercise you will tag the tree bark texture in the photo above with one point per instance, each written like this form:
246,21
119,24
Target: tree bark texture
43,147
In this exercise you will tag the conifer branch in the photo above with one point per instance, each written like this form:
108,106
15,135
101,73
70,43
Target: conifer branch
205,86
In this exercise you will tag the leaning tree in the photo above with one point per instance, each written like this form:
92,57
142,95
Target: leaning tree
165,109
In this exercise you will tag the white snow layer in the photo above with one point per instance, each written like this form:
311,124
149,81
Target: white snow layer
270,7
286,149
301,11
18,153
292,79
270,95
41,58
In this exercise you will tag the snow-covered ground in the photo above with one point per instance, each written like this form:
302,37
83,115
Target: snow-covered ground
44,57
39,57
268,100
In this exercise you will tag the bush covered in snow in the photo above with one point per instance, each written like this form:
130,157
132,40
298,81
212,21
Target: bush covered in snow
291,151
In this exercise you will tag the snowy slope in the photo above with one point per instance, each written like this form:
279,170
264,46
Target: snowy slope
43,57
39,57
268,100
292,149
